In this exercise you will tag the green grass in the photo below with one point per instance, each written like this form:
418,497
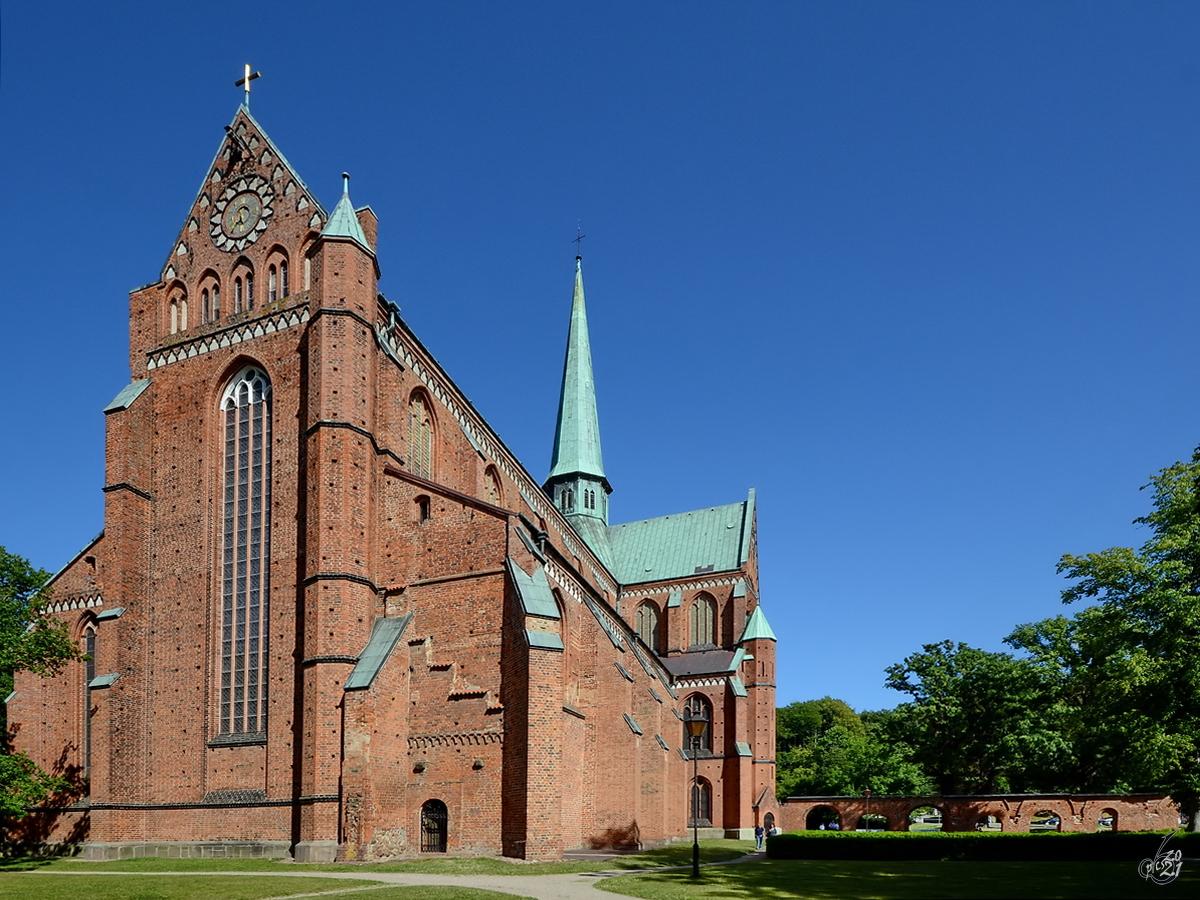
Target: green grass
37,886
826,880
216,887
676,855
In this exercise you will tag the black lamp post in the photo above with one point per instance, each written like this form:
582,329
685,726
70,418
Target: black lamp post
867,817
695,728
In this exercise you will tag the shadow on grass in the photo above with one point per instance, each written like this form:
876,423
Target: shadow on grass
834,880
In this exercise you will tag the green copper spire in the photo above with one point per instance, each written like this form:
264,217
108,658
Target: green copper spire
343,223
576,467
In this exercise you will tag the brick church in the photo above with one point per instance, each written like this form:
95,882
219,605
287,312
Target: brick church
330,614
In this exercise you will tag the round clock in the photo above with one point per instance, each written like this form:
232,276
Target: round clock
241,213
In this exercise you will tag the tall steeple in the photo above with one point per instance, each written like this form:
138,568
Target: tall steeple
577,484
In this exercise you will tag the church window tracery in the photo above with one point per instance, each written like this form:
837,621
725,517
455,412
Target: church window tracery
420,437
701,811
702,622
647,625
89,672
245,549
697,706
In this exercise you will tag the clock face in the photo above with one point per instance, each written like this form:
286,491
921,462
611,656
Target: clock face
241,213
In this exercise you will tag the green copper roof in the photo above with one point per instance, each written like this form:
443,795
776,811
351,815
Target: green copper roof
577,434
385,632
343,223
534,591
757,628
705,540
128,394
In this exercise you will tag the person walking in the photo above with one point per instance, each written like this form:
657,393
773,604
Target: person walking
759,834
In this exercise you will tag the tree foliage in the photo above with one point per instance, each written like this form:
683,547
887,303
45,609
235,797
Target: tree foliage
824,747
1140,645
29,642
980,722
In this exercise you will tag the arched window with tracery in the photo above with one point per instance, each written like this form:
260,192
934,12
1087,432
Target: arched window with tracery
701,811
702,622
647,624
697,707
89,672
245,552
420,437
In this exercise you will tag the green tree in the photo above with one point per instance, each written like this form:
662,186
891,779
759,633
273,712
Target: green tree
979,722
824,747
29,642
1146,627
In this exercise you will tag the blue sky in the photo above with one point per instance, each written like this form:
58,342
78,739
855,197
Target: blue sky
924,274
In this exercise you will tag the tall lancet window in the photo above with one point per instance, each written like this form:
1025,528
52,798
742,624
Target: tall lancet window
246,552
420,438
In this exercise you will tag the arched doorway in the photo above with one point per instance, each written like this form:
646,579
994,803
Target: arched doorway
769,822
1107,820
823,818
433,827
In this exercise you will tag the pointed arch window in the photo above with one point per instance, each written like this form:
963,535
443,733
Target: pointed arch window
89,672
283,280
420,437
647,625
174,315
272,285
491,487
701,811
216,300
702,623
245,553
249,291
205,307
697,707
237,295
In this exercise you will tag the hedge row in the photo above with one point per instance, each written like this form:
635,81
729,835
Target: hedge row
974,846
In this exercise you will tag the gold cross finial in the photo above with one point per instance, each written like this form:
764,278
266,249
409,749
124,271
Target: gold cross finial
246,82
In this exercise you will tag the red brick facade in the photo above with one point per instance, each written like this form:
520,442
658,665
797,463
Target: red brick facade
512,716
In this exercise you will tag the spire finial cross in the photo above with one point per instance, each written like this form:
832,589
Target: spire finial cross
578,241
245,82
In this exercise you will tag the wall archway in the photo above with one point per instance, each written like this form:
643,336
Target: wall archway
434,826
823,818
925,818
1107,820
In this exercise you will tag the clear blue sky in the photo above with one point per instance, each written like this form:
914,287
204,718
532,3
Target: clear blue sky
925,274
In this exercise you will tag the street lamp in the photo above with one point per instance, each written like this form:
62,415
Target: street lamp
695,722
867,817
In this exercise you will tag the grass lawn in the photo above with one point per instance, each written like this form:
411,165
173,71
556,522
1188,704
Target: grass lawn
677,855
826,880
217,887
